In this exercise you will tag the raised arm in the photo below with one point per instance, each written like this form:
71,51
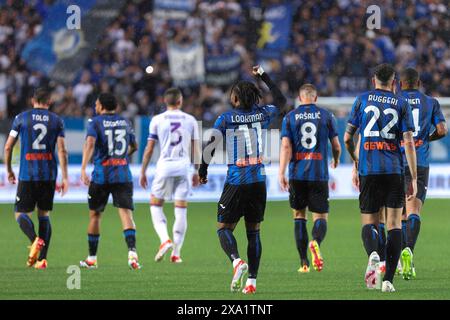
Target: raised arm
279,100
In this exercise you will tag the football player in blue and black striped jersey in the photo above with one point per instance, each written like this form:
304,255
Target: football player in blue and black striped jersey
429,125
305,134
40,131
110,140
384,120
244,195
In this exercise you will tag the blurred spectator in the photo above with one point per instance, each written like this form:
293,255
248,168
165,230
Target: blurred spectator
330,47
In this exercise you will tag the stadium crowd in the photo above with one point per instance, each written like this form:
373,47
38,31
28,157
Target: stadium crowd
330,47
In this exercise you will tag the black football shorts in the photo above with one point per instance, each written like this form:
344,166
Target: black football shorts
34,193
422,182
122,194
246,200
311,194
383,190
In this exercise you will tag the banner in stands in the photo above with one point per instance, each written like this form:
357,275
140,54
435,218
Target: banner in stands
340,185
60,52
186,63
222,70
276,28
173,9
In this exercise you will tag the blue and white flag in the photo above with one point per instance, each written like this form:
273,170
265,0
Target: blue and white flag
275,30
222,70
59,51
186,63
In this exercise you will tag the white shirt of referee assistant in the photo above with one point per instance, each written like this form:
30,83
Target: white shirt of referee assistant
175,130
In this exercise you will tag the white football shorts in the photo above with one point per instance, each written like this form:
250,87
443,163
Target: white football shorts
168,188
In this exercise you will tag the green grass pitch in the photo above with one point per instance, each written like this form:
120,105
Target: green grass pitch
206,272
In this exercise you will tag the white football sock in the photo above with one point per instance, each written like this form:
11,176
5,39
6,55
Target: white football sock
251,282
179,229
236,261
159,223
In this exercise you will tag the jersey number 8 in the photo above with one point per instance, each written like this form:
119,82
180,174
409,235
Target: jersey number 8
308,131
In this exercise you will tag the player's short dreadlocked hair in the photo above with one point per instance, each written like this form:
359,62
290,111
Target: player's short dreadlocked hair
247,93
409,76
384,72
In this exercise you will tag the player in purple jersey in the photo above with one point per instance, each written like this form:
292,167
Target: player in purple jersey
110,141
244,193
305,134
40,131
177,134
382,118
427,117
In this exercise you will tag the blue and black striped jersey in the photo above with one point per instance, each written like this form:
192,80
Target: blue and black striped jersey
309,128
244,132
426,113
38,130
113,136
382,117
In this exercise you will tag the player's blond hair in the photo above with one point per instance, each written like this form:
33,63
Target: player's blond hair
309,90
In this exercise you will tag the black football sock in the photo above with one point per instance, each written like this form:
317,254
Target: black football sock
93,243
393,250
412,230
382,242
319,230
369,237
228,243
254,251
27,226
45,233
301,239
404,234
130,239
